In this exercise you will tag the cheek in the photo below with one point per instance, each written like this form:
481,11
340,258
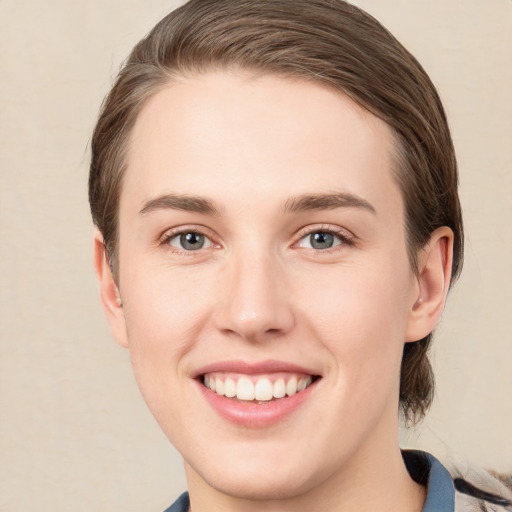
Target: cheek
370,296
360,315
360,320
164,306
165,311
164,317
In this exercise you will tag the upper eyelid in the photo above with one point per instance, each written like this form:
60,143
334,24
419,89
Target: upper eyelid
328,228
192,228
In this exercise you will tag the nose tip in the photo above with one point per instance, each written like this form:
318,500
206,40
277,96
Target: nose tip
257,324
256,303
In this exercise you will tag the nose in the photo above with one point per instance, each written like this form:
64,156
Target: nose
256,300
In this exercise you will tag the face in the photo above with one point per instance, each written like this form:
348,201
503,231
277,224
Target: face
265,281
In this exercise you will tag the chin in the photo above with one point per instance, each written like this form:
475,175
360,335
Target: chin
263,479
267,486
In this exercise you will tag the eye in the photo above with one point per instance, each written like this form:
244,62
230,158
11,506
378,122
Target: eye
320,240
189,241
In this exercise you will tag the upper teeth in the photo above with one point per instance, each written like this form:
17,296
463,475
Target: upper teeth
256,388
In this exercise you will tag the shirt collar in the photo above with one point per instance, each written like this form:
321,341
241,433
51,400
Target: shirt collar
428,471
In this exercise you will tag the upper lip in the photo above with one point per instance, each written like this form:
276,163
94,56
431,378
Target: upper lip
253,368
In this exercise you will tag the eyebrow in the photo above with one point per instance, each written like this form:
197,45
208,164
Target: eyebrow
305,202
187,203
309,202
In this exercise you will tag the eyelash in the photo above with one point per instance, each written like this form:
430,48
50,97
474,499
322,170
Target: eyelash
168,236
346,238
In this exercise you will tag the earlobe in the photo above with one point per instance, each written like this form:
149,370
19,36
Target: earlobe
109,291
433,283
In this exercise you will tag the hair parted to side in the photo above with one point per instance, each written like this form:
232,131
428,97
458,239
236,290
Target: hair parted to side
327,41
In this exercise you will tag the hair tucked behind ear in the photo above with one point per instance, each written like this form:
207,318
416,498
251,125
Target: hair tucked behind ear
417,381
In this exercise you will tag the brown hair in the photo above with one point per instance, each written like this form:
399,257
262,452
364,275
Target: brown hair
326,41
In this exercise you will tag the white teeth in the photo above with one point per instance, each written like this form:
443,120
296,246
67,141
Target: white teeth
229,388
260,389
304,383
279,390
245,389
219,387
291,386
263,390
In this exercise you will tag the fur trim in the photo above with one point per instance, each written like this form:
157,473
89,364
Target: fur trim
478,490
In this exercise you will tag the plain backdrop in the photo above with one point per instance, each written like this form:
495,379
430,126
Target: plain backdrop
74,432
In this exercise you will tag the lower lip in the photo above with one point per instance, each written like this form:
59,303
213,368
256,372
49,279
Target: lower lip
256,415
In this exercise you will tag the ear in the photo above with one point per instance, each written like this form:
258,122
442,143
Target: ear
433,282
109,291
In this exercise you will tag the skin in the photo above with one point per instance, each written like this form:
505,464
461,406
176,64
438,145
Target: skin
257,290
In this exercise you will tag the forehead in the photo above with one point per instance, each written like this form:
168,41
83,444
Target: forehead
233,134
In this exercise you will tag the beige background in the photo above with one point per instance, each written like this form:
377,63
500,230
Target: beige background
74,432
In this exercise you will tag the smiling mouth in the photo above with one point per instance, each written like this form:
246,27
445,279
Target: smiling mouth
257,388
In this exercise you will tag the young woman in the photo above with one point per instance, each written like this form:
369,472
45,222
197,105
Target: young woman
274,187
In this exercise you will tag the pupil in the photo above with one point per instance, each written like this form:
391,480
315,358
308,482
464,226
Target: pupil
192,241
322,240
